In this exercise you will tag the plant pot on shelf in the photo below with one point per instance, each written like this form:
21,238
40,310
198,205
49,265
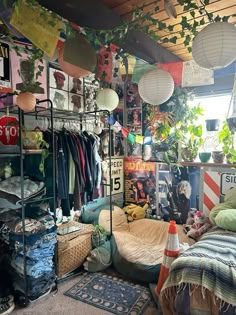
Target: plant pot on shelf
32,140
218,156
188,155
212,124
204,157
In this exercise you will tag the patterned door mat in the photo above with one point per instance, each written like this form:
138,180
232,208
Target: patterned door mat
110,293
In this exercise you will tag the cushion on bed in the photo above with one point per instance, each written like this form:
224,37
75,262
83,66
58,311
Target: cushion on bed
119,220
227,219
229,203
138,253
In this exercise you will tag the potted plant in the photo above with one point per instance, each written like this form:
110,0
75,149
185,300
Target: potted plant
226,137
191,142
188,134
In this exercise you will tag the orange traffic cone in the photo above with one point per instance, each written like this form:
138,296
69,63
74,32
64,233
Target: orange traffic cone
170,253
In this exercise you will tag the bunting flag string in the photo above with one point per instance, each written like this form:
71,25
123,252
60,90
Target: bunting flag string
131,137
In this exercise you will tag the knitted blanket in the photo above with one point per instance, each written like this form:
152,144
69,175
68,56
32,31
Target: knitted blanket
209,264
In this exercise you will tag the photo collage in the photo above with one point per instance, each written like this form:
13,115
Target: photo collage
66,93
134,117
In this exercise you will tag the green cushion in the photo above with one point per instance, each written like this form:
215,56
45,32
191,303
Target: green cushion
227,219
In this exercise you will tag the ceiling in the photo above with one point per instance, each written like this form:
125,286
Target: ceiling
124,8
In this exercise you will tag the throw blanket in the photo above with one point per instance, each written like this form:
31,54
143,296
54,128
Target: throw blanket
209,264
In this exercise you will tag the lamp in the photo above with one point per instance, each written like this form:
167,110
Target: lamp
156,86
26,101
107,99
214,47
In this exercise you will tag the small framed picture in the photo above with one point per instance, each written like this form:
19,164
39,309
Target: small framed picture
76,102
58,79
76,86
59,99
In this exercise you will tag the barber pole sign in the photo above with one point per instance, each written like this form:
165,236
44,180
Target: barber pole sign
211,190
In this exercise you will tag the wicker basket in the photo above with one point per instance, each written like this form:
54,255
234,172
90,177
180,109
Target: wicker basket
73,248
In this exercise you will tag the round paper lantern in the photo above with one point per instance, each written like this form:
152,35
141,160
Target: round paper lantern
77,57
156,86
107,99
214,47
26,101
97,129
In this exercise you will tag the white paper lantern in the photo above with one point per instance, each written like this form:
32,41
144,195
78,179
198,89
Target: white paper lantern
97,129
214,47
107,99
156,86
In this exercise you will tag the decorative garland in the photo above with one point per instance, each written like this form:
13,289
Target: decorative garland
131,137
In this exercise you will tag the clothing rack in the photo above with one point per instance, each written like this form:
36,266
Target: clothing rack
24,300
52,115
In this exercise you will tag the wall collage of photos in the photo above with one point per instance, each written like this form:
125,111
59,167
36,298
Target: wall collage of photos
143,177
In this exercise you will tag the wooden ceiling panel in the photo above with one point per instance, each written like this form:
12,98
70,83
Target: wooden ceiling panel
217,7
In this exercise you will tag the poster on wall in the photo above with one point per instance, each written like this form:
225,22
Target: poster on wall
140,182
118,139
24,75
65,92
5,75
117,177
133,118
90,91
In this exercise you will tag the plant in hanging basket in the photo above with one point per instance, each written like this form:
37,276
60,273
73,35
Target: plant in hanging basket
212,124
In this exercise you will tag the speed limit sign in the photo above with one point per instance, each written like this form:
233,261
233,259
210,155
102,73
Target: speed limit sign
117,177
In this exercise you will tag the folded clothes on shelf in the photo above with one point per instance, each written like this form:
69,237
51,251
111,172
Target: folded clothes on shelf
34,268
10,190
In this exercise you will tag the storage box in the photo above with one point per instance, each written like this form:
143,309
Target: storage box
73,248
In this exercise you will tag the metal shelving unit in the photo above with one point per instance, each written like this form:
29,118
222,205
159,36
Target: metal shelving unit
51,114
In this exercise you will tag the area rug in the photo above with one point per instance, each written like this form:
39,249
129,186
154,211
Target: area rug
110,293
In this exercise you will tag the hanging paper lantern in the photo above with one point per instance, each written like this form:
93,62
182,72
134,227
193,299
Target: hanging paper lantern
107,99
26,101
97,129
214,47
156,86
77,57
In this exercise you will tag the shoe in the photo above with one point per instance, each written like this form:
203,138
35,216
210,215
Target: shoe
7,299
6,308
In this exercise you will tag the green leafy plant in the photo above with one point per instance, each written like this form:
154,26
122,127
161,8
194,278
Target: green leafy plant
226,138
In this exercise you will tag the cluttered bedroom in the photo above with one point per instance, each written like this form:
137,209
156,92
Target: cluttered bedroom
117,157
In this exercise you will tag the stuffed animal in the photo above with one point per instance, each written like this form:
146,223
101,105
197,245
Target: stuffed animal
190,218
135,212
201,225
